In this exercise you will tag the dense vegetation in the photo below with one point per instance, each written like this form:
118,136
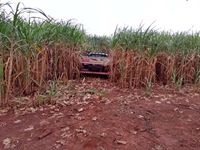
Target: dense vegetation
34,50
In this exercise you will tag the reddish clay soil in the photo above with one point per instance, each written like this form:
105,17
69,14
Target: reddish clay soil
119,119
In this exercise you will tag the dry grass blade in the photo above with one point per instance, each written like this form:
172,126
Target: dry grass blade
130,69
164,67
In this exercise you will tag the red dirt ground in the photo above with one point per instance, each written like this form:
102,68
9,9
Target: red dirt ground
118,120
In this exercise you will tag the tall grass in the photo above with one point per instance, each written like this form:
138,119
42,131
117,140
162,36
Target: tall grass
98,43
35,50
1,81
141,55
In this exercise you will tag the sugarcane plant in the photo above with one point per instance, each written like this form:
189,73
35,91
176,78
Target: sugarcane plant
142,54
36,49
15,36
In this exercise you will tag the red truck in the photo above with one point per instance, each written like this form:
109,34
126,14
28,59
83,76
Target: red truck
95,63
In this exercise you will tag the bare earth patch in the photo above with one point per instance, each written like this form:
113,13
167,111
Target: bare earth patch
118,119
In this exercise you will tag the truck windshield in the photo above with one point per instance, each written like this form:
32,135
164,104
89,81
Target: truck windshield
98,55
